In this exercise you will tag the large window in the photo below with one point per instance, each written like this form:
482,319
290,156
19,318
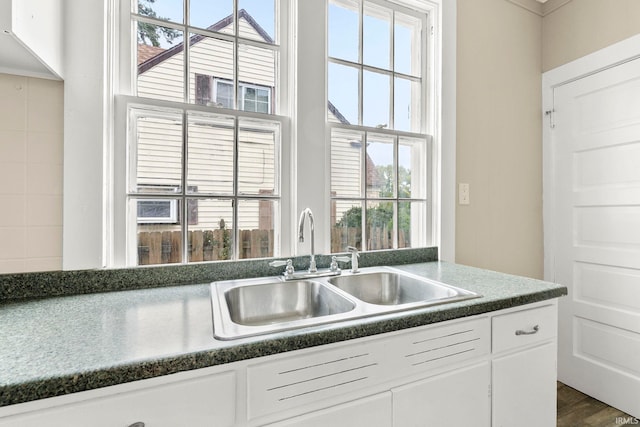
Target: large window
204,141
231,130
380,149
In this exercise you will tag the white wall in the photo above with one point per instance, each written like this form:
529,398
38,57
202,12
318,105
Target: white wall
573,29
31,172
499,138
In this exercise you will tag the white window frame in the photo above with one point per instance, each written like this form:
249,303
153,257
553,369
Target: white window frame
124,223
314,135
420,226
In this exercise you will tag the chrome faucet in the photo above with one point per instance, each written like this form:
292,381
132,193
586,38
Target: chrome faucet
307,212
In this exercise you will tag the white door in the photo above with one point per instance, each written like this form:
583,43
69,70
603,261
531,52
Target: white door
595,211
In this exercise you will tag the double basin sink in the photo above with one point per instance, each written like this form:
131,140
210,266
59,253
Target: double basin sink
250,307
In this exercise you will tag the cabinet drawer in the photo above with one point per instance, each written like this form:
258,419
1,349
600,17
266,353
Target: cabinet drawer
299,380
524,327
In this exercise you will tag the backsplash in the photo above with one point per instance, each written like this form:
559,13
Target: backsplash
58,283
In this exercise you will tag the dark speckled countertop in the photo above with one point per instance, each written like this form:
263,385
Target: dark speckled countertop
66,344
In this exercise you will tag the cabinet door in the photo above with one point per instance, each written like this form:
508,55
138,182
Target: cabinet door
207,401
460,398
524,388
372,411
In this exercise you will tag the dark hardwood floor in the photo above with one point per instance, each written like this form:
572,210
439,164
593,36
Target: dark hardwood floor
576,409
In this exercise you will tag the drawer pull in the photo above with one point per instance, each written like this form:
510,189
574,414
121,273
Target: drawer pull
138,424
531,332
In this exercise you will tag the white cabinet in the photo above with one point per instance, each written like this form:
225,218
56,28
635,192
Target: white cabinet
524,368
460,398
524,388
206,401
373,411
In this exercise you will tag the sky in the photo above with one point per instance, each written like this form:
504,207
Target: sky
207,12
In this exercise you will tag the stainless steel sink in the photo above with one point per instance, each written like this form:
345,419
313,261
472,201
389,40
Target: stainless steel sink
250,307
281,302
258,306
396,288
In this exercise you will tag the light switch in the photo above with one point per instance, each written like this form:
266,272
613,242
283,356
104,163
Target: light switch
463,194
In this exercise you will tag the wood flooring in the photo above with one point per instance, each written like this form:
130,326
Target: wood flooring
576,409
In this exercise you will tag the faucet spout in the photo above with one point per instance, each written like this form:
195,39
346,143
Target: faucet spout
305,213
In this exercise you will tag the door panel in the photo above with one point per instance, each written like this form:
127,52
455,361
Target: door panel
596,169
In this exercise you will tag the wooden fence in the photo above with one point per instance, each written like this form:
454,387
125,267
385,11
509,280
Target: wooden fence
378,238
165,247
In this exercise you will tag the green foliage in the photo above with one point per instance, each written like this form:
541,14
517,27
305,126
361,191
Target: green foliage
382,214
150,33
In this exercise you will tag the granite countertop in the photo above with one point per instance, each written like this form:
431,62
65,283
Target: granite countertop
67,344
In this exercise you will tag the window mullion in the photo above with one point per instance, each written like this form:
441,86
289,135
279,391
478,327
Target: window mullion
392,81
235,202
183,191
360,61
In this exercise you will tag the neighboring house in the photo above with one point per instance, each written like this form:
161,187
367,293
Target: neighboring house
210,148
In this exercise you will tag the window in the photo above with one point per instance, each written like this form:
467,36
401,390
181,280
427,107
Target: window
187,159
213,119
157,211
380,150
251,97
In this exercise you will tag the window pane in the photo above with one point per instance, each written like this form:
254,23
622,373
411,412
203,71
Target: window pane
257,19
346,163
406,109
346,229
256,223
407,44
343,33
160,70
158,235
224,94
167,10
213,58
375,99
158,152
255,99
256,66
258,143
376,27
210,154
343,94
381,176
412,170
210,229
380,225
412,229
214,15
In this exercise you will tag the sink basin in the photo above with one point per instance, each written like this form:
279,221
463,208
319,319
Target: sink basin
251,307
279,302
391,287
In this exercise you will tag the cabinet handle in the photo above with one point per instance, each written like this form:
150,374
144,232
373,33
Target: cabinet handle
531,332
138,424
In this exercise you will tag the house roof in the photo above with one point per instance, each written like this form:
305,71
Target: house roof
146,52
165,54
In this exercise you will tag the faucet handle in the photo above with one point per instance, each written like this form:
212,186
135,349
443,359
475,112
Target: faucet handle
289,270
334,262
353,250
